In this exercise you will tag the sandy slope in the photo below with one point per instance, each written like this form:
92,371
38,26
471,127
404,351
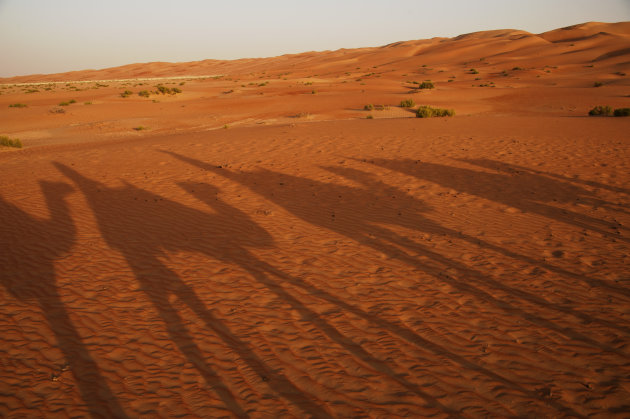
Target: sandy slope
309,262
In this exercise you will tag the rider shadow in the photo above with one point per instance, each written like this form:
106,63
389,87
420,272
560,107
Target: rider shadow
526,190
362,214
513,168
29,247
144,226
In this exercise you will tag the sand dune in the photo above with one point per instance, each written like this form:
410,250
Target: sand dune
260,248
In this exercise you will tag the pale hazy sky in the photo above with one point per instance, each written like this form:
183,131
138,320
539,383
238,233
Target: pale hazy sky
46,36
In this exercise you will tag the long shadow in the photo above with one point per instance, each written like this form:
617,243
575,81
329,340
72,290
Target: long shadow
358,214
143,226
29,247
527,191
515,169
263,273
361,213
499,188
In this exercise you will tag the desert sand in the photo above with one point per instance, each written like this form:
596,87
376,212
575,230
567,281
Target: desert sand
256,246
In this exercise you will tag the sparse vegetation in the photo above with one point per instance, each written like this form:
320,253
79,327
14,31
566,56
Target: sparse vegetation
126,93
161,89
426,85
517,69
369,117
18,105
601,111
473,71
87,103
144,93
368,107
140,128
8,142
598,84
622,112
407,103
430,112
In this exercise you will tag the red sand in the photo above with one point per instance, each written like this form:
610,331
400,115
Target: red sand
310,262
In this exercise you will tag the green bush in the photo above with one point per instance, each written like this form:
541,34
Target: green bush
143,93
17,105
622,112
473,71
126,93
426,85
601,111
368,107
8,142
429,112
407,103
64,104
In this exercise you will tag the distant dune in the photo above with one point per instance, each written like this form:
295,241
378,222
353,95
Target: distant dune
574,44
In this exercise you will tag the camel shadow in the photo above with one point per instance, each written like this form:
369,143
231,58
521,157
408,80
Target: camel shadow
527,190
29,247
144,226
363,214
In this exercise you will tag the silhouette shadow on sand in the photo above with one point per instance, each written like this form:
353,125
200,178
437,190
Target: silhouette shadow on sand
516,187
143,226
361,214
29,247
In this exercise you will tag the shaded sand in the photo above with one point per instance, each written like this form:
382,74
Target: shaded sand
308,262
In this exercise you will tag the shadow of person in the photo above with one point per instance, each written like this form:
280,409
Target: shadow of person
144,226
362,214
29,247
529,192
515,169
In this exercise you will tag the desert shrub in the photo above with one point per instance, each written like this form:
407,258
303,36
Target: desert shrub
430,112
473,71
516,69
407,103
598,84
126,93
368,107
64,104
369,117
8,142
17,105
32,91
140,128
622,112
161,89
143,93
426,85
87,103
71,101
601,111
